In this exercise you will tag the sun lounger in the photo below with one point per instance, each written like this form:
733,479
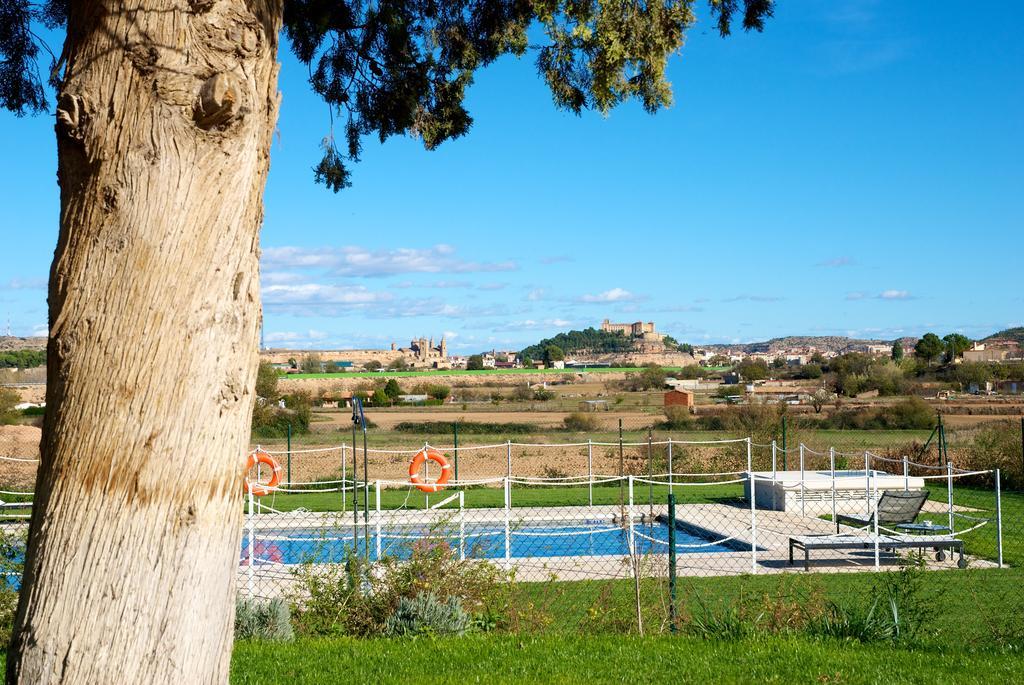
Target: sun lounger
886,542
894,507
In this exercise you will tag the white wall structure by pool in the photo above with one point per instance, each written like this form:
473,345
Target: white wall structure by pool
812,492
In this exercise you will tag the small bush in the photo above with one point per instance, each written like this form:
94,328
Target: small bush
580,422
346,599
425,614
677,418
263,620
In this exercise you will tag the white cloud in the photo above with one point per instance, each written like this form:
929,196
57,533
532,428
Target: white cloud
318,293
295,336
855,296
24,284
363,262
894,295
535,295
613,295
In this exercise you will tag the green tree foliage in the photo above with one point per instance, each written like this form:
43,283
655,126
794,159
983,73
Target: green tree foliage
809,372
392,389
897,351
856,373
380,398
22,359
373,365
475,362
8,399
266,381
970,373
311,363
589,340
752,369
956,345
553,353
399,364
928,348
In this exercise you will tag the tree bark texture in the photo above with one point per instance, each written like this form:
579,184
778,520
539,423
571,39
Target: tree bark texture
164,124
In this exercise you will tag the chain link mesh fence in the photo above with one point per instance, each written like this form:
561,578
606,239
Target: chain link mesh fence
776,522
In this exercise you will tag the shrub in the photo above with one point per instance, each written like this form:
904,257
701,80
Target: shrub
346,599
677,418
997,446
8,399
426,614
579,422
263,620
12,566
896,609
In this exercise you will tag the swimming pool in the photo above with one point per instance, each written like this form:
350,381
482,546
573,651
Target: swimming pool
587,538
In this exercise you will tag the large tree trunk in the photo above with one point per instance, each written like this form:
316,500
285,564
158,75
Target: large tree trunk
164,125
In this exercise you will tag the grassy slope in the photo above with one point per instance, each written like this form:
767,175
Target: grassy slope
608,659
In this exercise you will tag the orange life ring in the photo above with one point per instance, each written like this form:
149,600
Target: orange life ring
417,462
257,488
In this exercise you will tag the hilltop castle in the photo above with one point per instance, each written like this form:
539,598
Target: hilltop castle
423,351
645,338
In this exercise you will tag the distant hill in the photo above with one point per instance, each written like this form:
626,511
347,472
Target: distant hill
1016,334
9,343
825,343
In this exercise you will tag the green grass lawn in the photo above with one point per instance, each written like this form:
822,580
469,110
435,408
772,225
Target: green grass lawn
611,659
522,496
464,372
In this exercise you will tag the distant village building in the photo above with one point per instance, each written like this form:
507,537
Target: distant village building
993,351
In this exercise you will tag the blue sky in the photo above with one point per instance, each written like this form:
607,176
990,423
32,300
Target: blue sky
854,170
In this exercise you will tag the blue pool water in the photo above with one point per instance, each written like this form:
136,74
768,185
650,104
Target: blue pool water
481,541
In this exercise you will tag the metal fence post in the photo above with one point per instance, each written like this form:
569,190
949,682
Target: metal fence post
590,471
650,474
455,430
949,493
343,491
803,495
832,468
289,470
629,514
672,562
783,442
377,517
867,482
906,474
250,579
775,459
462,525
878,560
508,532
999,519
670,490
753,522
